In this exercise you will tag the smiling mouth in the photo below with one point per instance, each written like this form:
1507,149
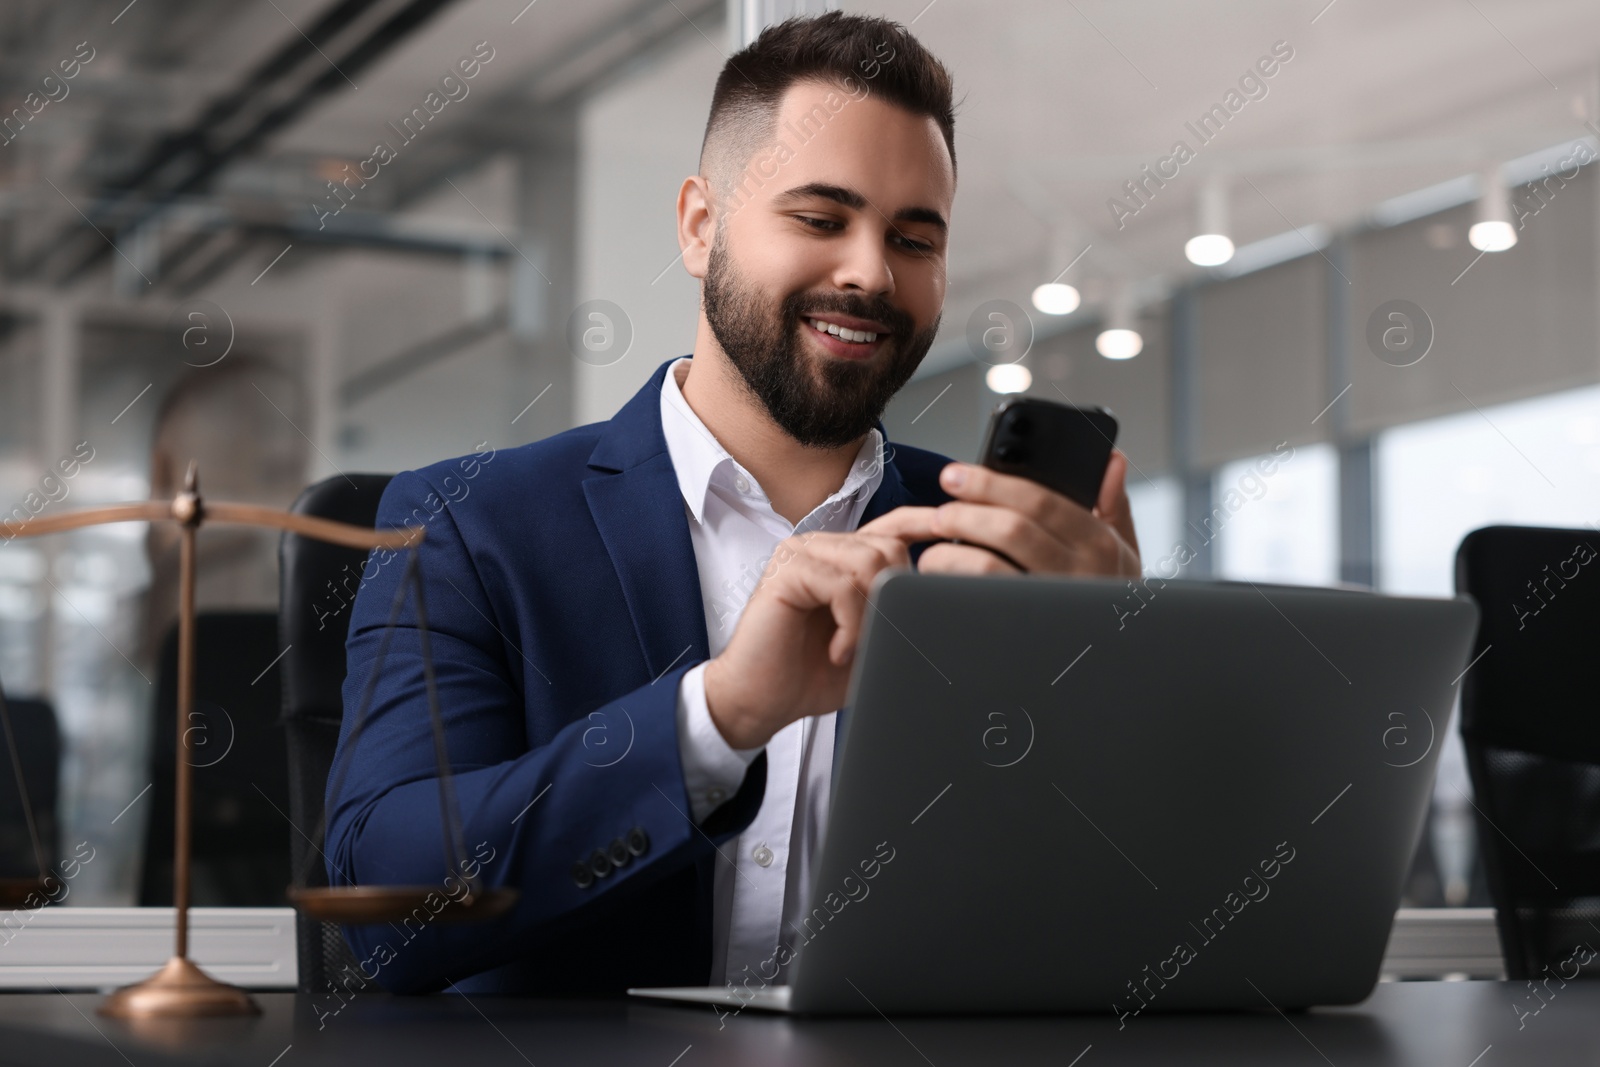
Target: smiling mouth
860,337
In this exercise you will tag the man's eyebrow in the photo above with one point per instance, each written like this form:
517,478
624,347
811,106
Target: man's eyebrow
921,214
851,199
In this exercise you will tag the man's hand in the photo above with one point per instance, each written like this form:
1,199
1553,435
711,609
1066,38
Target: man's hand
790,652
1043,531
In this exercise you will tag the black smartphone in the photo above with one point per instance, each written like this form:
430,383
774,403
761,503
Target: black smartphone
1061,447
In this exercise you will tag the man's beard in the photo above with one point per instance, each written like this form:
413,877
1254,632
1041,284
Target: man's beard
766,347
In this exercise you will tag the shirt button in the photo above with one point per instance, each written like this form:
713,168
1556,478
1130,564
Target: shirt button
741,483
762,855
716,796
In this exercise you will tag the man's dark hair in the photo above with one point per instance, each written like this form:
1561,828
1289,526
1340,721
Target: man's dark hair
859,53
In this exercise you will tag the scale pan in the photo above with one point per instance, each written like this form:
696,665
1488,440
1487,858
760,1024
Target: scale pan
16,892
357,904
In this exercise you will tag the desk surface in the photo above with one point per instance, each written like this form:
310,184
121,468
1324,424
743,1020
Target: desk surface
1453,1024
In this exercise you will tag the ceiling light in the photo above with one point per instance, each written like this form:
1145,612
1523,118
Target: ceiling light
1493,232
1212,246
1208,250
1008,378
1492,235
1119,343
1120,338
1056,298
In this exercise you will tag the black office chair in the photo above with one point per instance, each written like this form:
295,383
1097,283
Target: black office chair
317,584
39,750
1530,719
239,833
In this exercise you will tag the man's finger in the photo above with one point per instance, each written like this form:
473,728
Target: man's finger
1017,537
1067,519
907,523
814,581
946,557
859,556
1112,506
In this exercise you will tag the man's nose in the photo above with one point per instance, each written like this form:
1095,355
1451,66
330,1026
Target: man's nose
863,266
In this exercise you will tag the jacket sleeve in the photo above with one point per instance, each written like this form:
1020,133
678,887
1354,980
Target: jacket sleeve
534,816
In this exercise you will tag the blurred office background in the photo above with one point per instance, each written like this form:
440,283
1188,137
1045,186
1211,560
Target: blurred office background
203,255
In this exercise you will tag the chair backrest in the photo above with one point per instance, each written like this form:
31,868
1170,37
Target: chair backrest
1530,720
317,584
39,747
239,834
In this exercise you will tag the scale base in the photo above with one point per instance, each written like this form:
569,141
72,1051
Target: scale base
180,990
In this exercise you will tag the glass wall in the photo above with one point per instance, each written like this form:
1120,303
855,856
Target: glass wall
1276,517
1534,462
1157,505
1530,463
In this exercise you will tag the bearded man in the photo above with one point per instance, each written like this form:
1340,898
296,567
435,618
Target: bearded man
643,628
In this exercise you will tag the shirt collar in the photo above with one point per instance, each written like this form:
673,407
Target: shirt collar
697,456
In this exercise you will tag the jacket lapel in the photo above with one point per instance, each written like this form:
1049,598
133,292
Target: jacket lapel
892,492
639,511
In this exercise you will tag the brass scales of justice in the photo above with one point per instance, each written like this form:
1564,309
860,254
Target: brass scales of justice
181,989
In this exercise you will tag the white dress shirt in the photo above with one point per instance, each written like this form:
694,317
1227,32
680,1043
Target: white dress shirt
760,892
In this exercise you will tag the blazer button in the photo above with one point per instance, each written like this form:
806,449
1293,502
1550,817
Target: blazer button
617,852
582,875
638,841
600,863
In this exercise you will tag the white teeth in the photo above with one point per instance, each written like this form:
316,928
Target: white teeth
858,336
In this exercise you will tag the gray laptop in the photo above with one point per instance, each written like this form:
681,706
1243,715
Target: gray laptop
1092,795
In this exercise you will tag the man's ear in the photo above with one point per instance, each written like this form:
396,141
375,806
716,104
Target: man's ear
695,224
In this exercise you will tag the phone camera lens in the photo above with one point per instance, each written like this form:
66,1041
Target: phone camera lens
1019,426
1009,451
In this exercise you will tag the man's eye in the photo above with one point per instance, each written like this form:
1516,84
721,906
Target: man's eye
920,247
819,225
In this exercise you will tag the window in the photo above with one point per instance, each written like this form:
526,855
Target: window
1157,506
1529,463
1275,517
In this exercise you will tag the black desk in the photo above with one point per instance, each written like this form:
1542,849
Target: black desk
1449,1024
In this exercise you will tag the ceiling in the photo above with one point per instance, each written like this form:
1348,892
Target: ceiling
1065,101
1062,103
233,117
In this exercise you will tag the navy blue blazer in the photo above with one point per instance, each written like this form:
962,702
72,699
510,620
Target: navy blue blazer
564,607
